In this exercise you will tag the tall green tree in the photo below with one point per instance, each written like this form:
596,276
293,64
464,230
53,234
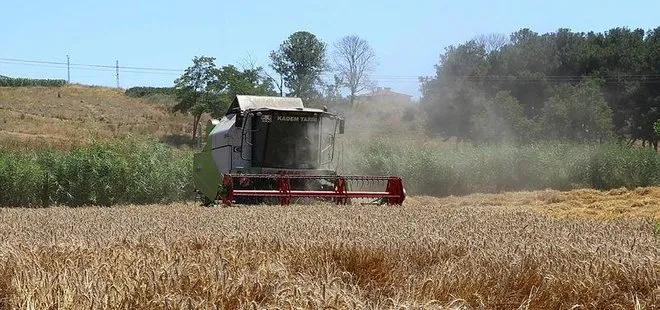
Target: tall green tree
300,60
194,89
648,105
502,119
451,98
578,113
205,88
532,66
231,82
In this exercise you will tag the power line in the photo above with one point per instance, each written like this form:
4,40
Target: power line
34,65
154,69
510,79
113,67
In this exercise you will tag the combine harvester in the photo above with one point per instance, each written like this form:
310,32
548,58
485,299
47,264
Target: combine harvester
274,150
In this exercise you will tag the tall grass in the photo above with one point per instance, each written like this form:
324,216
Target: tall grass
148,172
95,174
446,169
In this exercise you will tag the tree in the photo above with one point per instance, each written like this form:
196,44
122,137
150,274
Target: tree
194,89
492,41
204,88
449,110
451,98
502,119
354,61
657,127
231,82
300,60
577,113
332,97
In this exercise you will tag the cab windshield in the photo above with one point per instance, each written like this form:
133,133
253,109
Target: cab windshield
292,142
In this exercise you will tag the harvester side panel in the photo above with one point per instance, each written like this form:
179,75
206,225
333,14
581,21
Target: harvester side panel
205,175
226,145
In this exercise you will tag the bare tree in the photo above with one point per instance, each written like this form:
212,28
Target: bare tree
279,84
354,61
492,41
248,62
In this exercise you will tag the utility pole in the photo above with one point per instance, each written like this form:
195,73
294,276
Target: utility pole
68,70
117,67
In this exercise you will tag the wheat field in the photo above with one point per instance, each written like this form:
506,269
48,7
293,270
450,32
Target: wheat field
532,250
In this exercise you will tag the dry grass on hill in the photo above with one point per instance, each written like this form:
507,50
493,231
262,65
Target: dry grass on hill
36,115
482,251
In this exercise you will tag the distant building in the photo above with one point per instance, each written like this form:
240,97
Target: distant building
385,94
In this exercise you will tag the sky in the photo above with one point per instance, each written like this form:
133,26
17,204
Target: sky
407,36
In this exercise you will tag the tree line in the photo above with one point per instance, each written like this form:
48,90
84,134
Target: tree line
521,88
561,85
300,63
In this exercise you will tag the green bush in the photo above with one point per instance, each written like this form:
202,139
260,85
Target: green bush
436,169
615,166
138,172
19,82
97,174
139,92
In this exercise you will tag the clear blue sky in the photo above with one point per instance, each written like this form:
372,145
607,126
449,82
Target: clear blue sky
408,36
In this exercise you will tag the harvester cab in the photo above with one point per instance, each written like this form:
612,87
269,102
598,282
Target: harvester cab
273,149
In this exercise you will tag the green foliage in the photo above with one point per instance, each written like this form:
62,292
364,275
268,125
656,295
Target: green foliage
657,127
21,82
466,60
332,97
536,68
97,174
300,60
204,88
502,120
232,82
577,113
614,166
140,92
196,82
441,169
450,110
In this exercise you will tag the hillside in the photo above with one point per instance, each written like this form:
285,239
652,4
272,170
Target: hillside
73,114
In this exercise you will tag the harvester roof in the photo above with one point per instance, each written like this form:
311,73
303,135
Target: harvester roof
244,103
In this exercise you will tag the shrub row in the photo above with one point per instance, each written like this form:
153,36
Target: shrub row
138,92
449,170
96,174
134,172
19,82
